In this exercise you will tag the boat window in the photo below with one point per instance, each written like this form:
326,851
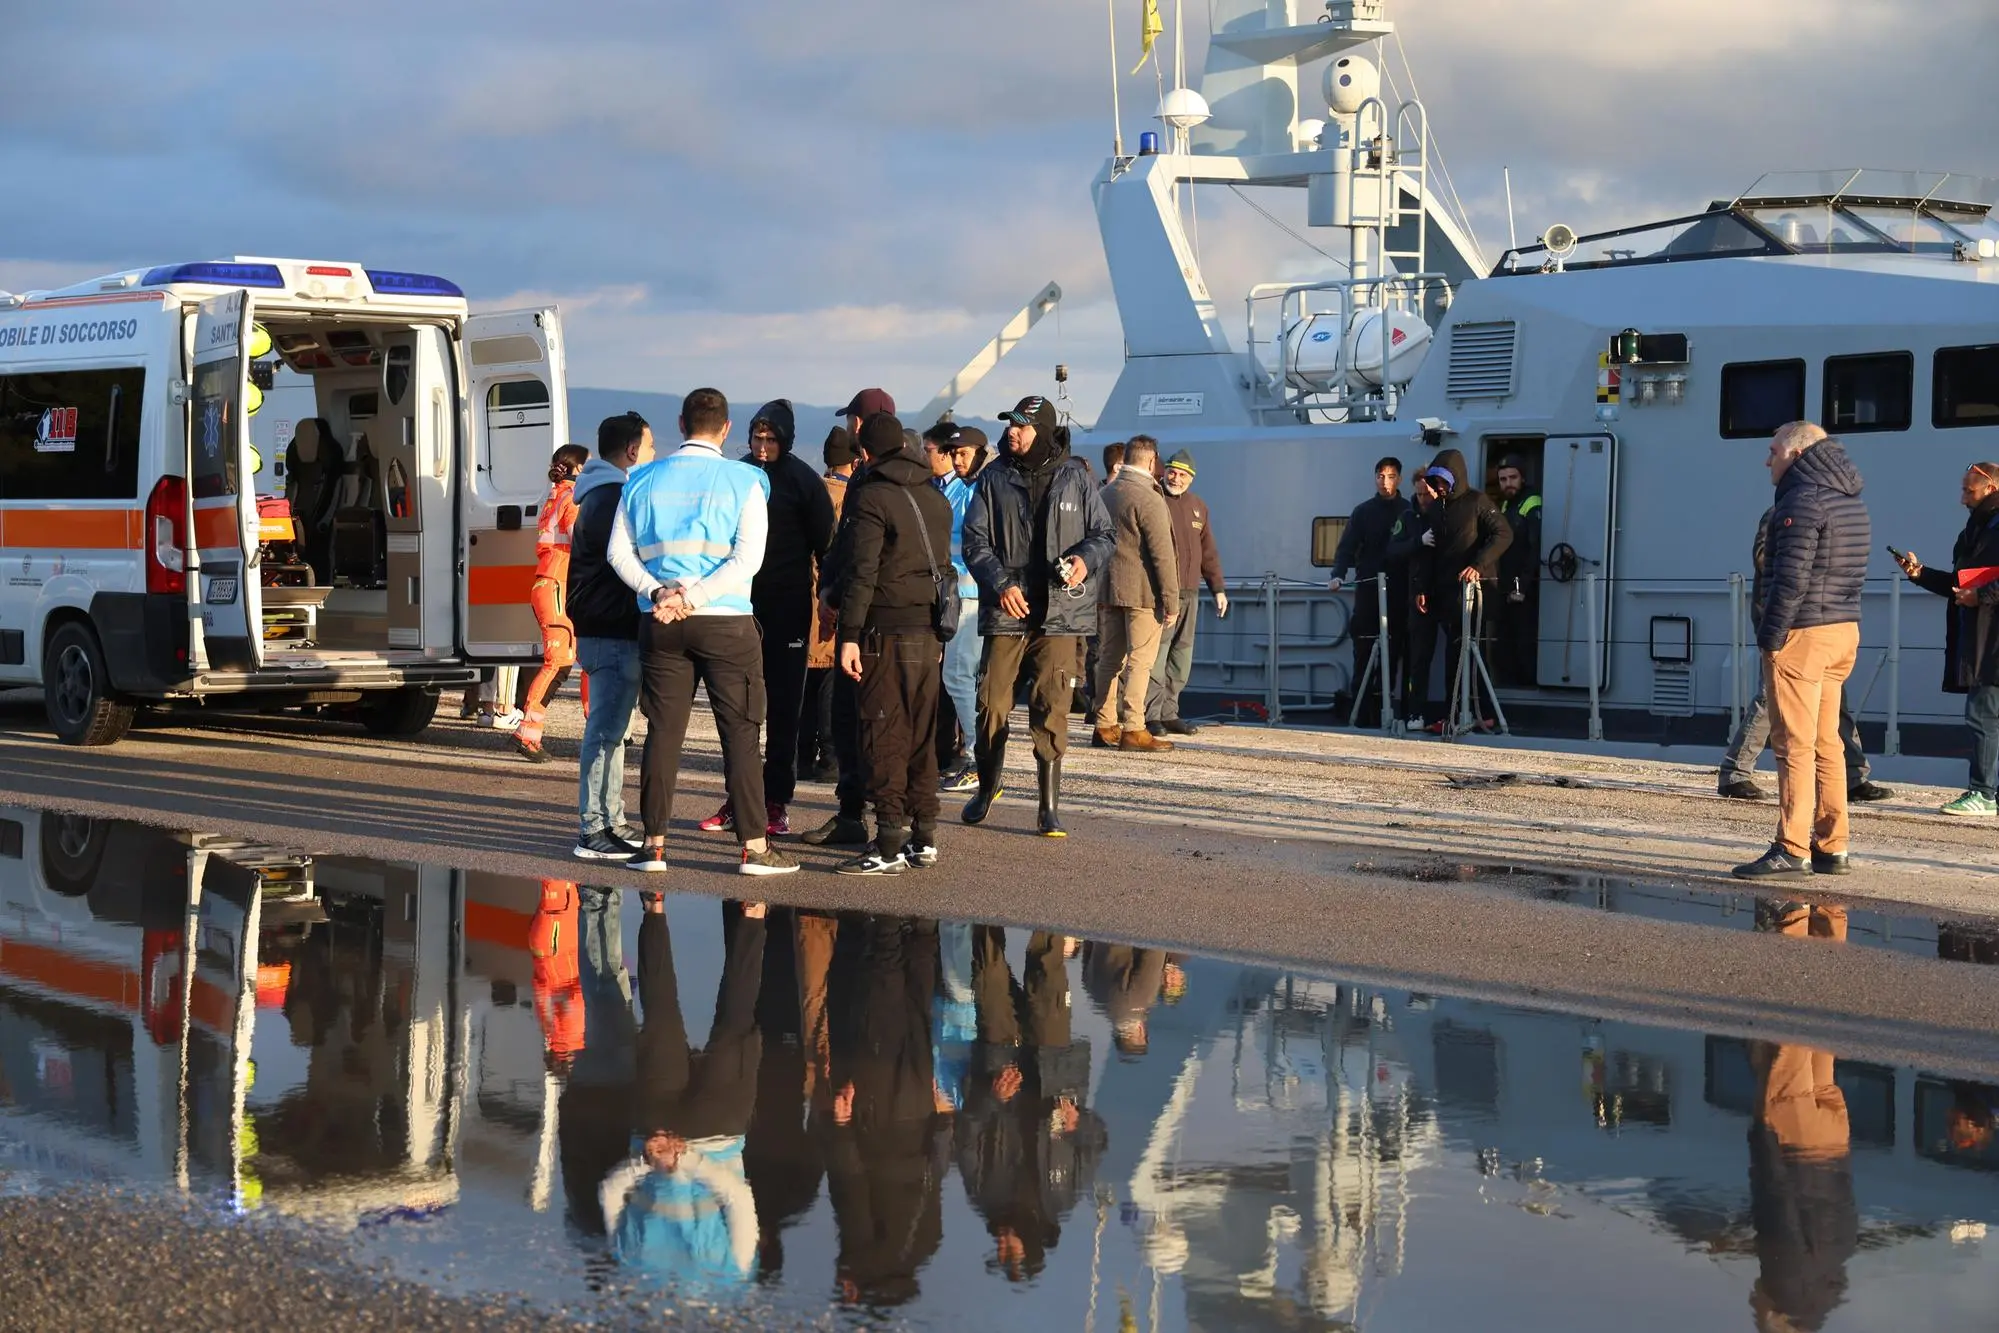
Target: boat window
1866,393
1708,236
1759,396
70,435
1821,229
1910,230
1966,386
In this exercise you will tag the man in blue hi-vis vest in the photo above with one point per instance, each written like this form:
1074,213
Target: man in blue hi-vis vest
688,539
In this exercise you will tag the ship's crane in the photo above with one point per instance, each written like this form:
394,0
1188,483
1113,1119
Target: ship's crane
989,356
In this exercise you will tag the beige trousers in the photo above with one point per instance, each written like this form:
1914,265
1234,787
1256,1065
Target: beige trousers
1802,681
1127,642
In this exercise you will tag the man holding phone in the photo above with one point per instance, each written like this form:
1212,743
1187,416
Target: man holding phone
1971,631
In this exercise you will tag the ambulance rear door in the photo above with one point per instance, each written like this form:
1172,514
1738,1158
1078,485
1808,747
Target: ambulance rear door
519,415
224,595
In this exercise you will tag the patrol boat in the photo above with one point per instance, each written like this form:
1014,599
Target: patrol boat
1639,373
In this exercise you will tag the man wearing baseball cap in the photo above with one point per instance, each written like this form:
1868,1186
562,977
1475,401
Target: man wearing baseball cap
1199,561
1037,540
945,442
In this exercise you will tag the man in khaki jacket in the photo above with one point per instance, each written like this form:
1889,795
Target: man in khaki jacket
1141,596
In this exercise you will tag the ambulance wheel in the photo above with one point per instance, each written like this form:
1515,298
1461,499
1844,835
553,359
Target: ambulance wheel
76,689
404,713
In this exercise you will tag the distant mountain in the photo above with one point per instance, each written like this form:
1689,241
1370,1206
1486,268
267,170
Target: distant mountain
587,407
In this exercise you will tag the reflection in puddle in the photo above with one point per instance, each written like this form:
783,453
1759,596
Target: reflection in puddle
1927,937
510,1086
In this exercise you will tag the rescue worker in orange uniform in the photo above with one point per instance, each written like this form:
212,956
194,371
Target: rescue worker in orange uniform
551,580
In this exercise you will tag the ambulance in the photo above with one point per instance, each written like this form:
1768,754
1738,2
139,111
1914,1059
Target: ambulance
154,557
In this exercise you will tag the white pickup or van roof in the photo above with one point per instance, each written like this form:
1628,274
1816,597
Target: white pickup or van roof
303,279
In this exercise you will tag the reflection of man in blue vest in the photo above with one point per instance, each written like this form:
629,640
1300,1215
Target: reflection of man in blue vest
688,539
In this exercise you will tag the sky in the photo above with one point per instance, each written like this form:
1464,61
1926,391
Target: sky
802,199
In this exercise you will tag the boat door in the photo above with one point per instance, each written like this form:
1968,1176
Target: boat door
519,415
1578,530
224,595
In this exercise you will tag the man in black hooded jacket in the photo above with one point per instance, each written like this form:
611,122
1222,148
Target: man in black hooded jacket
895,543
801,528
1464,536
1038,541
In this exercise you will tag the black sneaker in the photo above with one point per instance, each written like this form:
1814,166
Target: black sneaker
839,831
920,854
1831,863
1173,726
769,861
649,858
873,862
631,833
1869,791
963,779
604,845
1744,791
1774,864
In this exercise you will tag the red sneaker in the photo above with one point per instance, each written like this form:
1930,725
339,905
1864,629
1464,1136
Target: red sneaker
722,821
777,821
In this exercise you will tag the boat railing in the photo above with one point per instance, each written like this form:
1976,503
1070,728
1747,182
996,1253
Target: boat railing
1282,651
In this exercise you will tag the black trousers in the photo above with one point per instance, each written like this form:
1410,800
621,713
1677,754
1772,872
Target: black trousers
851,787
787,631
711,1093
1424,628
815,726
902,676
725,653
1518,661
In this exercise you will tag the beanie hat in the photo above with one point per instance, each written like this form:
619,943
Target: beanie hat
881,436
1182,460
839,447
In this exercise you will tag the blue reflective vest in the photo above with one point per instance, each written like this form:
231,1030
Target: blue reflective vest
683,511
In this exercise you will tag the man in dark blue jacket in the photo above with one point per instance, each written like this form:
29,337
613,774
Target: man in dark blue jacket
1809,635
1037,541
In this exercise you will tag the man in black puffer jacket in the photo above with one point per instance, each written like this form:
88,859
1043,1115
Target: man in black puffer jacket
801,528
1038,541
1809,635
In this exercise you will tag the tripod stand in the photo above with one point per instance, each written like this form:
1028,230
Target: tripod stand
1463,713
1377,665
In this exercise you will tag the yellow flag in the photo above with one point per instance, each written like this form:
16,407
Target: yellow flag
1150,28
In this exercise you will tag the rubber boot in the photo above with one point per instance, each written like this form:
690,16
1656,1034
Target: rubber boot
991,766
1049,820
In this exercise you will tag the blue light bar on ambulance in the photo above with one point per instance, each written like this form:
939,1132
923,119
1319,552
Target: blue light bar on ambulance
216,274
387,283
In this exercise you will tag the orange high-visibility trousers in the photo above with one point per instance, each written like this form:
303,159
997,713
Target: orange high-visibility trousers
558,655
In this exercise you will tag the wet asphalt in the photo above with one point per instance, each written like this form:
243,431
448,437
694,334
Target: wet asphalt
462,799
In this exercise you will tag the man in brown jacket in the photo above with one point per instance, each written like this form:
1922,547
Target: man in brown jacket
1141,595
1194,548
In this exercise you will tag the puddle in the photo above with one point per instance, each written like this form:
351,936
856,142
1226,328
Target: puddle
526,1088
1873,927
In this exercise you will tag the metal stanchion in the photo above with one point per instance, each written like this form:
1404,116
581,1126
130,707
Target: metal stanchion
1735,700
1471,669
1595,660
1388,718
1894,742
1273,694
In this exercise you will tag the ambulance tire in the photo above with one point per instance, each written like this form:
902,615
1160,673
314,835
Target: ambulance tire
403,713
76,689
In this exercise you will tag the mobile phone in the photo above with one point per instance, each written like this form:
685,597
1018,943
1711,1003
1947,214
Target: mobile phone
1899,555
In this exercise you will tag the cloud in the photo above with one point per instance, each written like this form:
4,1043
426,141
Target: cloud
803,196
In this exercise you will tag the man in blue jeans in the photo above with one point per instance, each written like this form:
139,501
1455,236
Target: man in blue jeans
956,454
607,640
